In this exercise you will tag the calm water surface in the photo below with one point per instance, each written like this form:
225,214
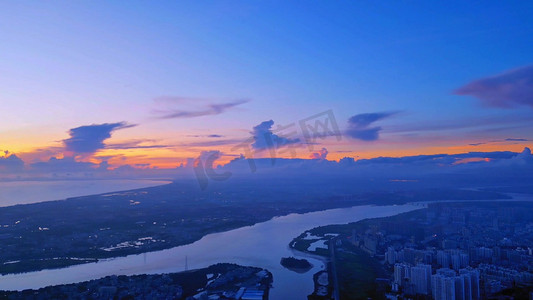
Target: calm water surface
24,192
261,245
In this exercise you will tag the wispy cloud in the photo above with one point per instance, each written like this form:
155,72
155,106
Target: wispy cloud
136,144
504,141
211,143
363,120
208,135
509,89
171,112
492,123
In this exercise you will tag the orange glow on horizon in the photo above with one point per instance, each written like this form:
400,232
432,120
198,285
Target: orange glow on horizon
472,159
167,158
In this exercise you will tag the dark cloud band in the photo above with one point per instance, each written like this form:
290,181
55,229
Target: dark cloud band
90,138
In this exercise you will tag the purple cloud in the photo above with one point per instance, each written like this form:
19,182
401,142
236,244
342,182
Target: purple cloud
367,134
90,138
358,126
265,139
67,165
509,89
11,162
321,154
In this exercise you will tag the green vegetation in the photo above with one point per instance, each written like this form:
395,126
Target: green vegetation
296,265
86,229
357,273
356,270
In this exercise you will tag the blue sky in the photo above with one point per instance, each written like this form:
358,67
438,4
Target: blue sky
69,64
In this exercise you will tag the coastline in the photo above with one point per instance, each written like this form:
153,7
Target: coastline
26,192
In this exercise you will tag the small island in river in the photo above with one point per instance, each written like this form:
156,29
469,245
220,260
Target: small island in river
296,265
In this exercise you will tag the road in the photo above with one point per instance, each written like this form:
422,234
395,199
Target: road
335,279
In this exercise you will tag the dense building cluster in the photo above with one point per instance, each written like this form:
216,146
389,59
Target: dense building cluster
454,251
444,284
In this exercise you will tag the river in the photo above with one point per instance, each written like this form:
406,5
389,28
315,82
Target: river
261,245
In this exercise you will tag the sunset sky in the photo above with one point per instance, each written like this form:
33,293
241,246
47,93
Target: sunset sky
157,83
